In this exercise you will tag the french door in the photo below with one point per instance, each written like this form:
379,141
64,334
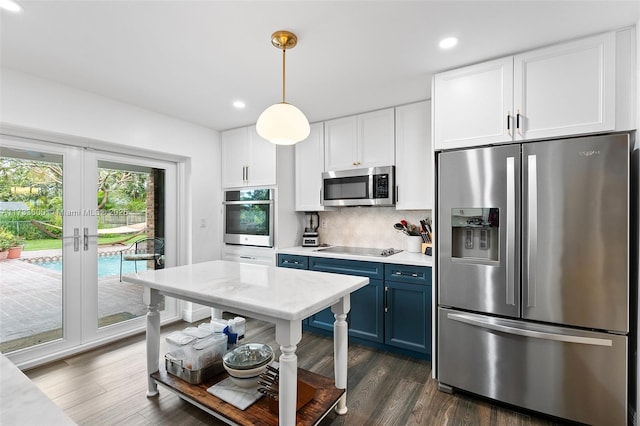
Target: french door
78,214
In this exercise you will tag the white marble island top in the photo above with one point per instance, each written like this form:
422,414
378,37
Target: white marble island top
288,294
279,295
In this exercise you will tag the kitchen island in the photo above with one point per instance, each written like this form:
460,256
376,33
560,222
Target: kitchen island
277,295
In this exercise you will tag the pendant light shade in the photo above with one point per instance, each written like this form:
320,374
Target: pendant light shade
283,123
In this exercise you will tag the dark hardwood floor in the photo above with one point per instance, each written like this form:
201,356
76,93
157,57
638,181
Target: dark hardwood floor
106,386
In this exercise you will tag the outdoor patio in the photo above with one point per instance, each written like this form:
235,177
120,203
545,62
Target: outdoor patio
31,298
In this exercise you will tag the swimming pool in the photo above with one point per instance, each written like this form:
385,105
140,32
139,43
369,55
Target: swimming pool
108,266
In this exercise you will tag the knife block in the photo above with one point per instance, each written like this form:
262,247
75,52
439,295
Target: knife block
306,392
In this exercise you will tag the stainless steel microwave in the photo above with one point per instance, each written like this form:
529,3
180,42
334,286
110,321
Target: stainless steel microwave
373,186
248,217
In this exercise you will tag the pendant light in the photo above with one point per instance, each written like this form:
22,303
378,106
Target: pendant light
283,123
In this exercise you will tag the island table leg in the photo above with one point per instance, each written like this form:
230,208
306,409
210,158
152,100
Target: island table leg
153,299
341,349
288,335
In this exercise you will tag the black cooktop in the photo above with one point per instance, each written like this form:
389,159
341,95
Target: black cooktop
361,251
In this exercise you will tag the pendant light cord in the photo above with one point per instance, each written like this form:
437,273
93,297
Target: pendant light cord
284,51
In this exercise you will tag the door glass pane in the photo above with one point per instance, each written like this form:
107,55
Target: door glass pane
130,236
474,233
31,290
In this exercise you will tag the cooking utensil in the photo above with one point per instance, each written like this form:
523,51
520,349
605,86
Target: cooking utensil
267,392
268,385
400,227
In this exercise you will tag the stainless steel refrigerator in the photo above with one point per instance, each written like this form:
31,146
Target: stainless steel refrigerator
533,268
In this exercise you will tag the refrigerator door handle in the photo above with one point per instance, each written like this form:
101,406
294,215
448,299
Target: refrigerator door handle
495,325
532,228
511,232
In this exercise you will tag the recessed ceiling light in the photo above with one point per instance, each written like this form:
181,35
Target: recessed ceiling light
239,104
448,43
10,5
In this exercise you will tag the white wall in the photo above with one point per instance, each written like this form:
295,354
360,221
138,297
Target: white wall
51,109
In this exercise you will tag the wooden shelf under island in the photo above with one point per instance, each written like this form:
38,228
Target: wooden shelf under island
258,413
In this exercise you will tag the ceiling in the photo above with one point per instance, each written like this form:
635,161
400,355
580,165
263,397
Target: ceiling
192,59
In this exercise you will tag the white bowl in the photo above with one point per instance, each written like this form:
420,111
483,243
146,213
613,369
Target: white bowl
252,372
246,382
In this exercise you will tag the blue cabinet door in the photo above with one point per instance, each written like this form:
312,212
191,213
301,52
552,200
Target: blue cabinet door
408,316
366,315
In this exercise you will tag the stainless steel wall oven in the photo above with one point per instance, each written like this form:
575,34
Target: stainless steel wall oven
248,217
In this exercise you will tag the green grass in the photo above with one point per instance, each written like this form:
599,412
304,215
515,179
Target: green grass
51,244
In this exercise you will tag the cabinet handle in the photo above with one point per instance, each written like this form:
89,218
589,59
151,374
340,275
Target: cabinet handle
397,193
247,168
386,306
509,123
518,123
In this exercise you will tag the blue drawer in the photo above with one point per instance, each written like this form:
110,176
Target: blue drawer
372,270
293,261
407,274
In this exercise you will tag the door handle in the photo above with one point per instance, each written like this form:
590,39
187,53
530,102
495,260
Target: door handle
76,239
86,238
496,325
511,232
532,228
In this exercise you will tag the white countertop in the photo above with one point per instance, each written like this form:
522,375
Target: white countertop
23,403
288,294
403,258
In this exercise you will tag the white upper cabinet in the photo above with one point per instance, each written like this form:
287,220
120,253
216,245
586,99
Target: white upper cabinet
359,141
472,105
247,159
309,165
414,177
560,90
566,89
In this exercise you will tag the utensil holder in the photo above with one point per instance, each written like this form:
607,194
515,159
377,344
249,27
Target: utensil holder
414,243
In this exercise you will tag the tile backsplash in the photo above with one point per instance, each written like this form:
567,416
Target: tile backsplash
367,226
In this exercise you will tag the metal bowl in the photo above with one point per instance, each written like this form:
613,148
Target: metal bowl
248,356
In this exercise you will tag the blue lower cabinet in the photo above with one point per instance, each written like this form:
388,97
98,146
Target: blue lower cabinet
392,312
293,261
365,317
408,316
